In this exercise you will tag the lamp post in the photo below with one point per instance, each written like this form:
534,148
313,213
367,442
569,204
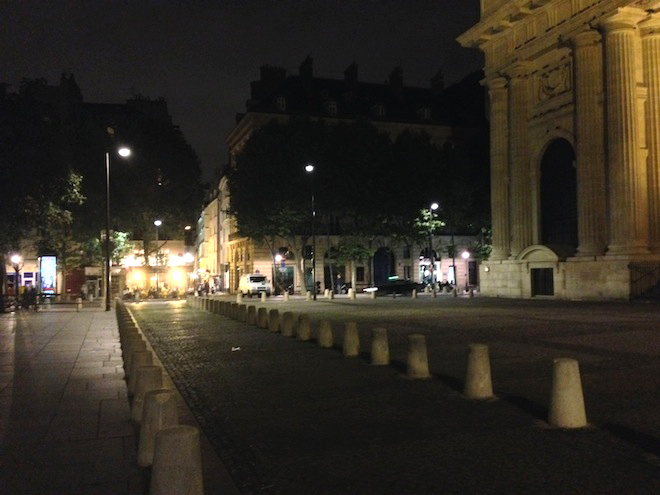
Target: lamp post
309,168
157,223
465,256
123,152
434,206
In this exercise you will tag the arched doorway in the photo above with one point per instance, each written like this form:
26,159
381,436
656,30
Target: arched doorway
383,265
559,197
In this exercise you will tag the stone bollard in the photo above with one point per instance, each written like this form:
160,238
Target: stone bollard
471,293
325,293
418,364
413,294
304,330
233,311
380,348
274,321
351,347
263,297
239,298
372,295
177,466
454,292
242,313
567,402
286,296
445,289
225,306
434,293
133,341
478,382
331,294
325,334
148,378
138,346
351,293
78,304
47,303
288,324
140,358
262,318
251,315
159,411
308,296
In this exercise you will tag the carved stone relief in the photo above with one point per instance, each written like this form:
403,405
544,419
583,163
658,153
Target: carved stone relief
553,82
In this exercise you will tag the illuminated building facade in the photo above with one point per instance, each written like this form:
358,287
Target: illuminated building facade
575,146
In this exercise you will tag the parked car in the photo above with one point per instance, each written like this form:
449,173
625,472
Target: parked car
254,284
396,287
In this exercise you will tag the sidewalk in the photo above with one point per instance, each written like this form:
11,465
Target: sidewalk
64,413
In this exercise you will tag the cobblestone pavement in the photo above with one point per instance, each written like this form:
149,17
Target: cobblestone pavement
288,417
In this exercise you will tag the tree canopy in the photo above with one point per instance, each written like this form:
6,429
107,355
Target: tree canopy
364,184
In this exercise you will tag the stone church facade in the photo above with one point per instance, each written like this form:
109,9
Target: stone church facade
574,89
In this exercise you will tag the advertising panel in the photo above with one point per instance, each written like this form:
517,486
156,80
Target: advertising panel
48,274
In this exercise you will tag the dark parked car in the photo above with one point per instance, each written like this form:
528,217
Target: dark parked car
396,287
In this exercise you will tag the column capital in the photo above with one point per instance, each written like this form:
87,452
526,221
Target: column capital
497,82
586,38
651,25
519,70
623,19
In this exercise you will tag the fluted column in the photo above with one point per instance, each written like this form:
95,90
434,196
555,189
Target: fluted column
590,151
520,191
627,175
499,167
651,50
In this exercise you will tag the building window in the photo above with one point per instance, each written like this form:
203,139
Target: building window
359,273
406,252
407,272
378,110
331,108
424,113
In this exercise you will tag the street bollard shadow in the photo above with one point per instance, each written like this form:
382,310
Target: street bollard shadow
530,407
642,440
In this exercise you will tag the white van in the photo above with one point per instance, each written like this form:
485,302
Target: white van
254,284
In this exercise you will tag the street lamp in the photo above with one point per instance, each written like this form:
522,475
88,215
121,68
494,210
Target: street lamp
465,256
157,223
123,152
309,168
434,206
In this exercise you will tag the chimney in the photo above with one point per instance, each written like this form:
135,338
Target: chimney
396,80
306,69
438,82
351,73
271,78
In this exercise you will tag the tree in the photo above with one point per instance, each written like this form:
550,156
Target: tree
38,187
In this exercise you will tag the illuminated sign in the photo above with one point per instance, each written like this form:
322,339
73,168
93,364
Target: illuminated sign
48,274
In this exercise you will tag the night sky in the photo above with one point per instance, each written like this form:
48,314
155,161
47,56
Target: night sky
202,55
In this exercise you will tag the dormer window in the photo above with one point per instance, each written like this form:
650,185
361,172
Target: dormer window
280,104
424,113
331,108
378,110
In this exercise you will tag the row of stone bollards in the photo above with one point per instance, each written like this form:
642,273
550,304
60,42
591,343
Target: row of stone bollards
171,450
566,410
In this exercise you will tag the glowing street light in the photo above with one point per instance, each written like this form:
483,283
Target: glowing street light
465,256
309,168
123,152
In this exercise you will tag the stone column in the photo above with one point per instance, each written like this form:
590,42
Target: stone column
590,151
651,51
627,175
520,191
499,167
